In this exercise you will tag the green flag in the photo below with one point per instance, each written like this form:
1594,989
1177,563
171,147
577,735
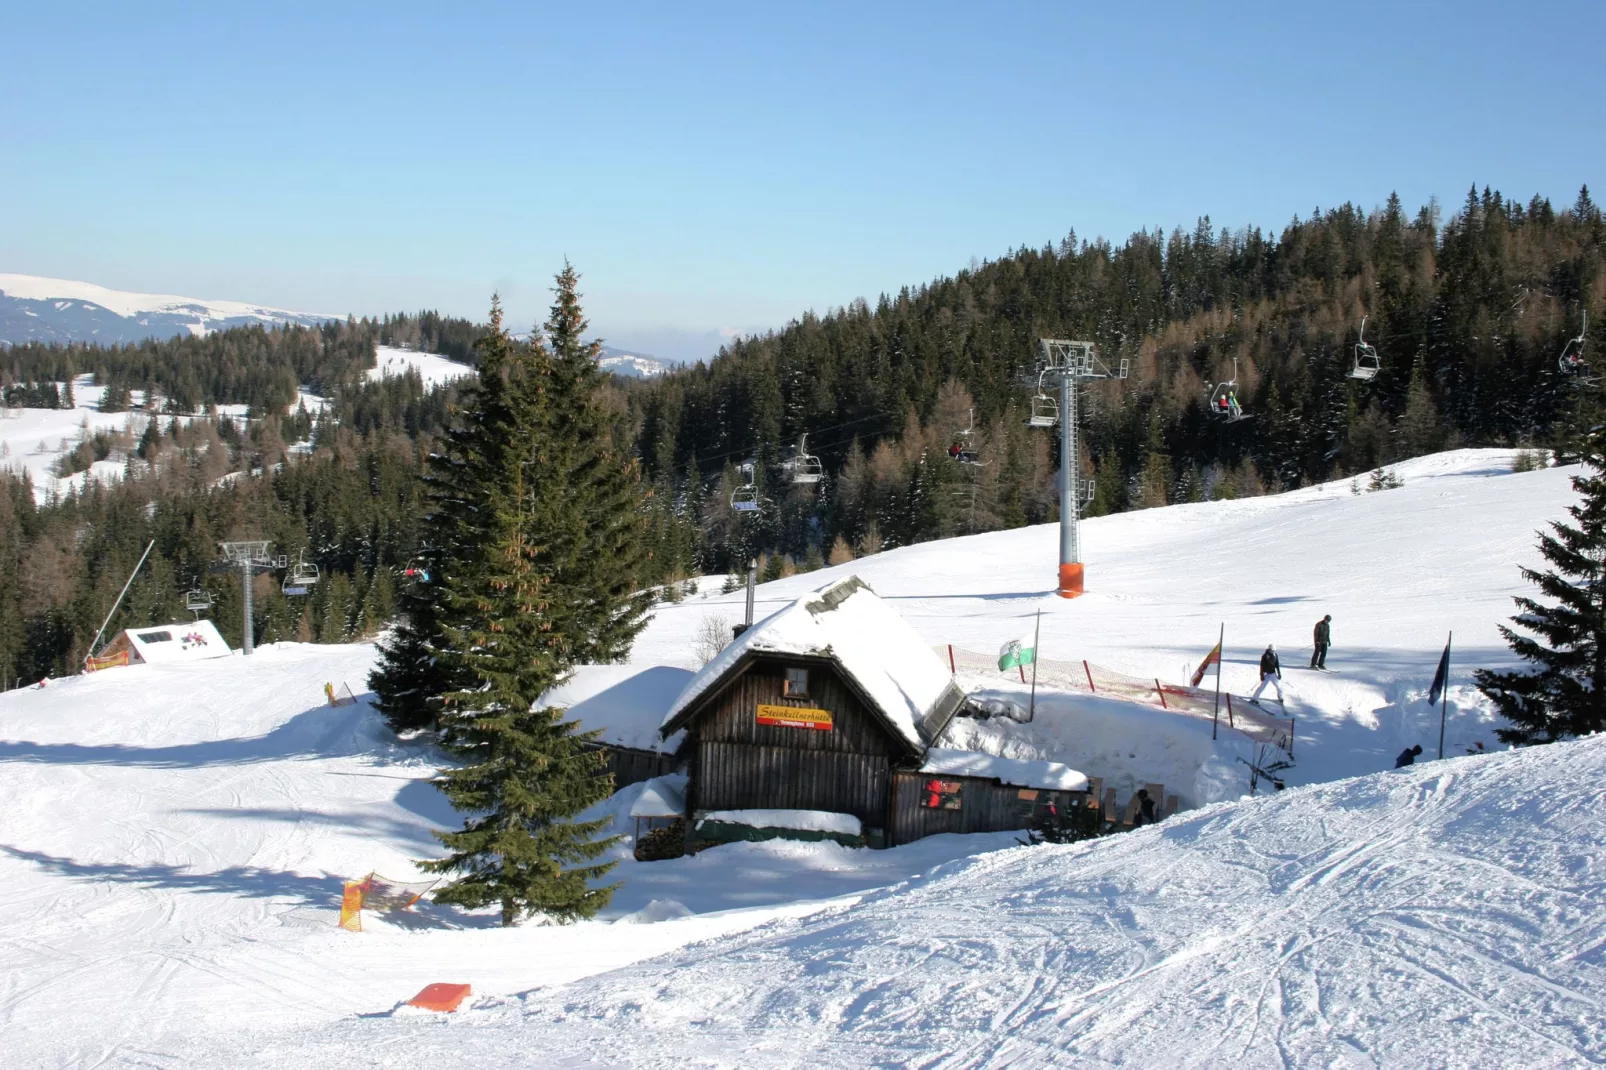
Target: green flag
1015,653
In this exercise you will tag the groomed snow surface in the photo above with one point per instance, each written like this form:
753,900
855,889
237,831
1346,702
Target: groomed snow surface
173,839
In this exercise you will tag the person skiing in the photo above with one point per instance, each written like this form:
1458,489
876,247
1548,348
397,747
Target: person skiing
1407,756
1271,674
1324,639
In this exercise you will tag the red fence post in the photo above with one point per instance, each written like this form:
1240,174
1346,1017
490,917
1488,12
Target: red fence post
1161,692
1089,672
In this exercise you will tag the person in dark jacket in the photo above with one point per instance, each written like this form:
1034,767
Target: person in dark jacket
1145,808
1271,674
1407,756
1324,639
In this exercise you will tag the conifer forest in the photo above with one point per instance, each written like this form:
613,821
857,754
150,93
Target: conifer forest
1468,310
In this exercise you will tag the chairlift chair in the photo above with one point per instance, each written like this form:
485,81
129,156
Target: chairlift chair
416,571
1367,362
744,499
806,468
1571,361
198,600
1045,407
960,449
1224,398
300,576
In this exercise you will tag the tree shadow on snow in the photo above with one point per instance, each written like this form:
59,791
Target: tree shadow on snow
246,881
320,732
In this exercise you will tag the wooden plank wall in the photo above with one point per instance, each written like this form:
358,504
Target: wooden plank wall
985,806
739,764
631,766
737,776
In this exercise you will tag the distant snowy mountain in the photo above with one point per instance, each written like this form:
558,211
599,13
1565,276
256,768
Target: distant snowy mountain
35,309
631,365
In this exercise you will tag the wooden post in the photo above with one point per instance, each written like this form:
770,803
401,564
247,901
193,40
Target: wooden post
1221,653
1089,672
1444,699
1158,690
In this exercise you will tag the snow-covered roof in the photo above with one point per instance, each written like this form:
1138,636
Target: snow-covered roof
1050,776
846,621
186,641
626,703
662,796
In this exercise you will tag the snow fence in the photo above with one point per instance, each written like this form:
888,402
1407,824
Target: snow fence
1235,712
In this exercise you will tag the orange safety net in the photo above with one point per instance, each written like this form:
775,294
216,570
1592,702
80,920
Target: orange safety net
374,892
1235,712
107,662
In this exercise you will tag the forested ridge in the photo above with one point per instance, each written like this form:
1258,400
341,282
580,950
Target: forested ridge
1468,314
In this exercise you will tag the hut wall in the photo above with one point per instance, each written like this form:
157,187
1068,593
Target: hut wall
739,764
984,806
631,766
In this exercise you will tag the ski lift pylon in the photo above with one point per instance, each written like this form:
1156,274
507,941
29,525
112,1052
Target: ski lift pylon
1367,362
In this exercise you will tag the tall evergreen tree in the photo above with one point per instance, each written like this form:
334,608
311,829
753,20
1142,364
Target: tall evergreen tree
1563,694
597,544
509,628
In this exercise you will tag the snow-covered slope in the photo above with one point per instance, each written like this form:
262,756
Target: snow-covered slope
1452,915
36,309
631,365
432,368
172,841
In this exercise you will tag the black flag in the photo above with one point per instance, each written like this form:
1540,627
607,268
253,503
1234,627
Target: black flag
1441,679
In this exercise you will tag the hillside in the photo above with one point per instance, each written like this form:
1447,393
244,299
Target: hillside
36,309
175,838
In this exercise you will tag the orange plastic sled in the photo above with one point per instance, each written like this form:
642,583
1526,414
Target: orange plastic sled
441,997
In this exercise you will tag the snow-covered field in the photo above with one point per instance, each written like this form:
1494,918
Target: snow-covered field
173,839
431,367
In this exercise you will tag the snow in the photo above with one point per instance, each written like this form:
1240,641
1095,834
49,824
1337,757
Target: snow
662,796
874,646
797,820
127,304
185,641
173,839
626,703
1051,776
432,368
1448,916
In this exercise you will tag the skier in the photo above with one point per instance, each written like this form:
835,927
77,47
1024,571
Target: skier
1232,405
1324,639
1271,673
1407,756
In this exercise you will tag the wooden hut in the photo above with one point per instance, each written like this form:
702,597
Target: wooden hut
814,708
963,791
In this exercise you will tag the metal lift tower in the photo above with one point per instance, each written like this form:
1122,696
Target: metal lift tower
250,558
1071,363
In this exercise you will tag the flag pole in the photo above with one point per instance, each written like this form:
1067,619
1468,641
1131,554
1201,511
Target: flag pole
1221,652
1037,630
1444,699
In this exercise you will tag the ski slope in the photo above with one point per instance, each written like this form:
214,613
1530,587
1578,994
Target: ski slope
1449,916
173,839
432,368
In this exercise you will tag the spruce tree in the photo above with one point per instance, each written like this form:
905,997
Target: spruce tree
597,542
509,629
1563,694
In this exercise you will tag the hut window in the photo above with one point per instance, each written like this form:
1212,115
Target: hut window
156,637
797,683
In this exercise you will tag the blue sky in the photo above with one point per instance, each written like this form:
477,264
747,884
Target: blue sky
720,167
